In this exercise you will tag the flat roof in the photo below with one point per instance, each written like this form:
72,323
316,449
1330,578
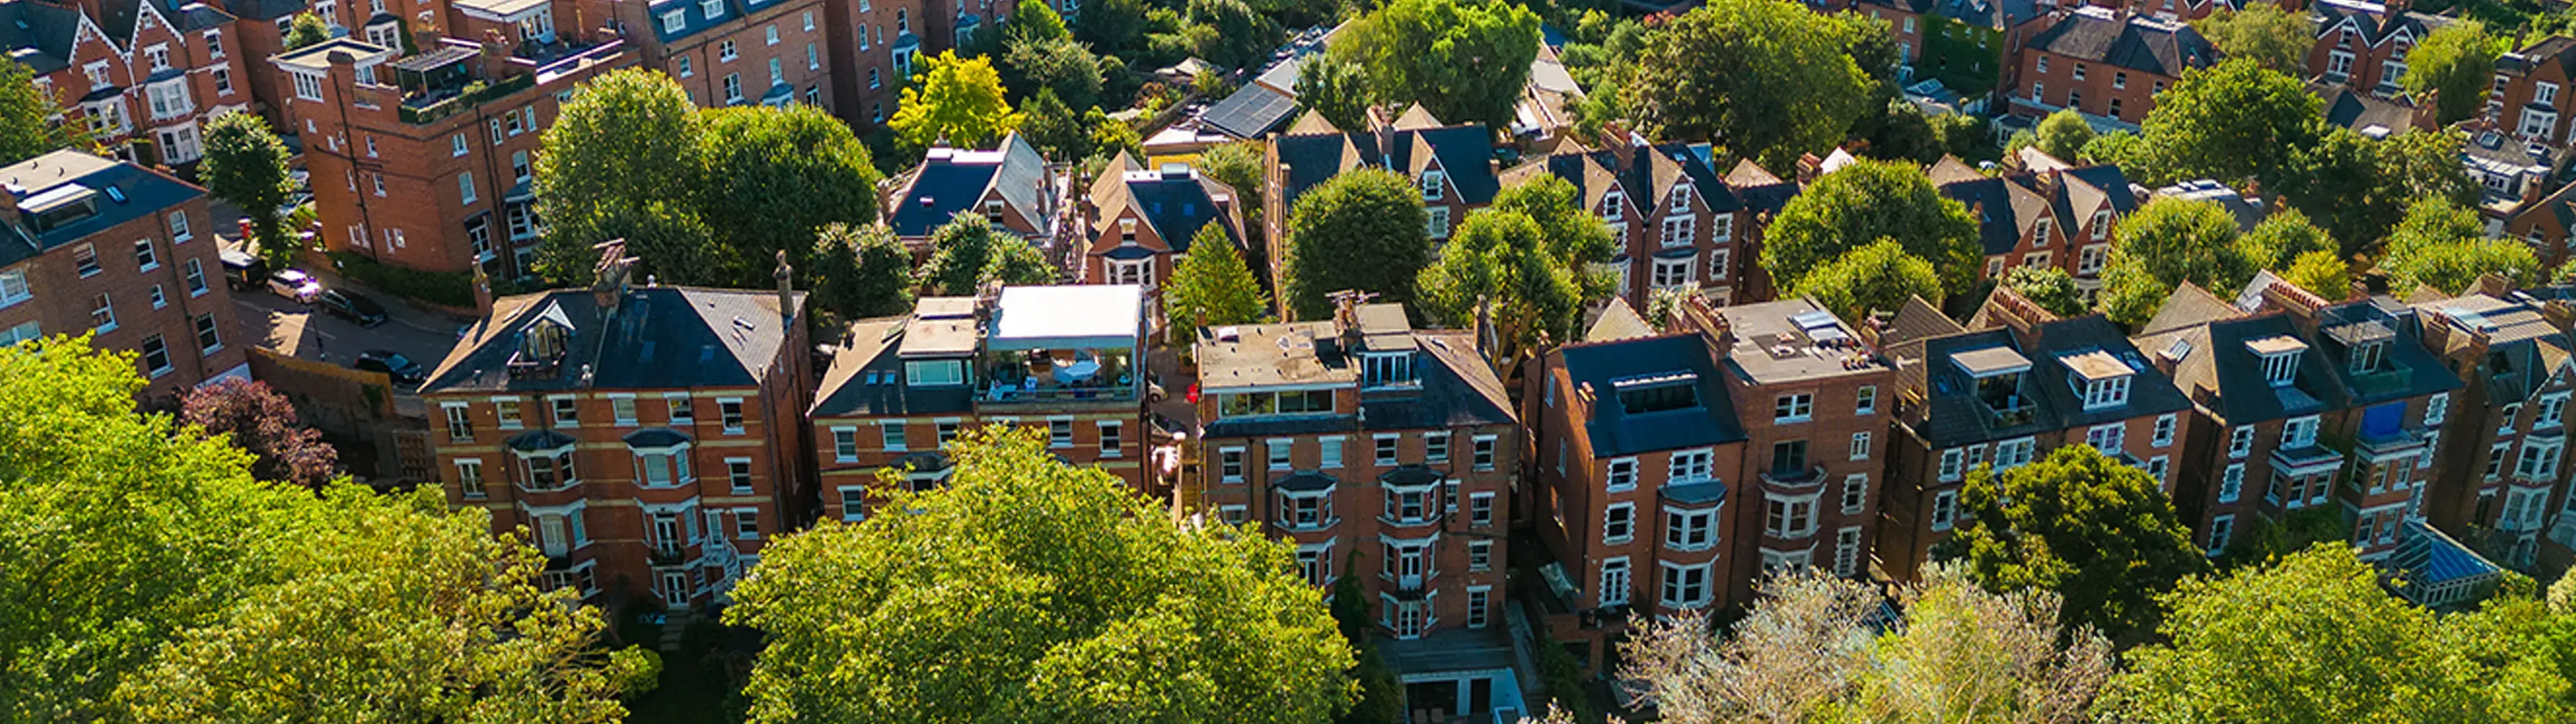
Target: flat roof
1793,340
1270,355
317,57
2095,365
2275,344
500,10
1991,361
938,337
1082,315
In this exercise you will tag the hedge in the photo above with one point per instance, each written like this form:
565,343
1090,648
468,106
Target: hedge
445,289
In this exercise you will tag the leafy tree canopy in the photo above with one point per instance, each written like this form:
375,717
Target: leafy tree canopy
246,166
2049,287
27,128
1026,589
860,272
1038,62
1769,80
1866,202
626,143
2272,37
1874,278
2455,62
2282,238
2444,247
2165,243
1371,214
2360,187
958,100
2063,135
1236,36
306,29
967,251
2322,273
2079,524
1336,89
1466,62
265,425
2229,122
774,177
1213,286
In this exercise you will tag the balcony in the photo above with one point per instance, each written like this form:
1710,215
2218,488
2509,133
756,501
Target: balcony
1800,477
2010,411
2305,459
2391,443
1059,375
667,552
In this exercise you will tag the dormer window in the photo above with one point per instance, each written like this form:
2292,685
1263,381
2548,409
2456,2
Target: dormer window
1610,203
673,21
711,8
2280,355
1387,370
544,341
1658,392
1997,374
2102,379
935,372
2369,357
1681,199
1434,186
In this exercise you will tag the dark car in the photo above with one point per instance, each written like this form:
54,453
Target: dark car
405,373
242,271
352,306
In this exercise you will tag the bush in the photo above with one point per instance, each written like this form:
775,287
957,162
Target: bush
446,289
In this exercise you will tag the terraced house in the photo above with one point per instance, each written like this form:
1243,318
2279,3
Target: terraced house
1387,455
1678,223
1066,359
2500,474
722,52
2005,391
2301,405
141,75
650,439
2107,64
1138,223
1453,165
2048,214
2364,44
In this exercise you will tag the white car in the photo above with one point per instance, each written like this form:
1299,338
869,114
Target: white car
294,284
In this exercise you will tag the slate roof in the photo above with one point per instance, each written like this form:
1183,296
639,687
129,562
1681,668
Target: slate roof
2217,369
2374,20
146,193
659,338
1952,415
1618,321
1988,13
265,10
2356,110
1176,205
2141,43
2522,349
696,20
2247,212
1614,432
2553,49
1465,154
38,34
118,17
866,379
953,184
1643,174
1458,389
1314,159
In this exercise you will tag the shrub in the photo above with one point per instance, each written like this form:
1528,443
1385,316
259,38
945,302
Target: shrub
446,289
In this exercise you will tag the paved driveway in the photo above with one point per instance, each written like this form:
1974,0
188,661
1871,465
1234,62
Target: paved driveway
285,326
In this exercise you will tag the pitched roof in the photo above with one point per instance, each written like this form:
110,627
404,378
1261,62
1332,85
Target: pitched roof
119,192
1987,13
1681,359
2364,112
1618,321
2047,394
1176,202
656,338
950,181
2140,43
39,35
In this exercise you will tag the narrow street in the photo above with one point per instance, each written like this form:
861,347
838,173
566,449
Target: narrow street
304,331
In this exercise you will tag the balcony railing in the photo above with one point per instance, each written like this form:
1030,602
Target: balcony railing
665,553
1809,475
434,106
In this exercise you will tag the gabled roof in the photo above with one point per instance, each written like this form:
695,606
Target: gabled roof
2082,191
1465,153
950,181
2371,21
658,338
2139,43
1618,321
39,35
2049,389
2369,114
1987,13
1615,432
1176,202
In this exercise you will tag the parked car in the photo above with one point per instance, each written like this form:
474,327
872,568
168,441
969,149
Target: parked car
242,271
405,373
294,284
352,306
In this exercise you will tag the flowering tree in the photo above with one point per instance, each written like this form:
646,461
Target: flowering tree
263,423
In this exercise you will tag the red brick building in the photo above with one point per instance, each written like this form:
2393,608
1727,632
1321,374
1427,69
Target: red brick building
1678,223
2047,214
650,439
2363,44
1140,223
1064,359
2003,393
722,52
1009,185
1384,454
2103,63
140,74
873,44
2500,474
123,252
1454,166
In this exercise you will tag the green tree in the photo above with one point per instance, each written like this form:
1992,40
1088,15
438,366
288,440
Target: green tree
1866,202
2455,62
1110,136
2281,239
2049,287
1027,589
958,100
1239,38
2096,532
2316,639
2118,149
1465,62
1771,80
622,155
1370,214
1498,265
1037,19
245,165
2063,135
1213,287
860,272
2229,122
967,251
2443,246
2165,243
774,177
27,128
1112,26
306,29
1054,128
2322,273
1054,63
2265,33
1241,166
1874,278
2360,187
1336,89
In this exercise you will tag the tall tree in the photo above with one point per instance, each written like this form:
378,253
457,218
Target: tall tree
2079,524
245,165
1866,202
1370,214
1241,167
2229,122
2359,187
1770,80
627,142
2321,273
2049,287
1027,589
2315,638
958,100
1336,89
306,29
860,271
265,425
1037,19
774,177
1813,649
1111,26
1213,287
27,128
1498,267
1874,278
2165,243
1466,62
1237,36
967,251
2455,63
1052,62
2282,238
1054,128
2443,246
2063,135
2265,33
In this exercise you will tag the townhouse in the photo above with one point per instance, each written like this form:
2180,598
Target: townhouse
2371,114
1386,455
2522,102
2300,405
1138,223
870,46
2500,473
2103,63
722,52
1967,43
1453,165
2048,214
1904,19
2364,44
1009,185
649,439
2003,392
1677,222
123,252
899,389
142,74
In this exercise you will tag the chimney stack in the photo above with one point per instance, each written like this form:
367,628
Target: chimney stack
482,291
786,276
610,285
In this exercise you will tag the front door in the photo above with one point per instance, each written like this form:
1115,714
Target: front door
675,588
